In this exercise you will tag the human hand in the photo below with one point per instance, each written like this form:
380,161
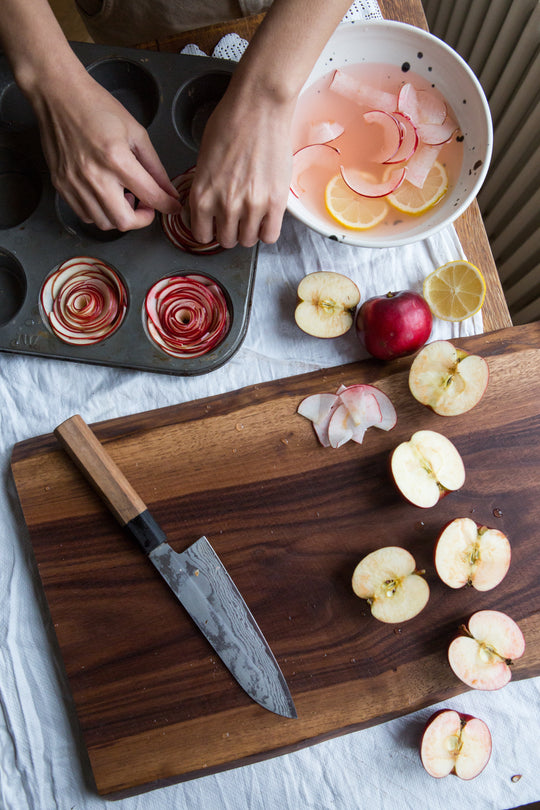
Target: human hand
100,157
241,184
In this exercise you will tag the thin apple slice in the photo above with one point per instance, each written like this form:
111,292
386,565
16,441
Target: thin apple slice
352,396
482,657
431,108
322,132
321,155
455,743
426,468
388,412
407,101
409,140
421,163
326,304
342,427
390,135
347,86
363,184
318,408
361,404
447,379
468,553
437,134
388,579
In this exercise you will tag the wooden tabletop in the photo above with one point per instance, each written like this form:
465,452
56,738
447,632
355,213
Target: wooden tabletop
469,227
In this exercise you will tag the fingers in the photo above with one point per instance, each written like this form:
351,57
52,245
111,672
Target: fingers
242,219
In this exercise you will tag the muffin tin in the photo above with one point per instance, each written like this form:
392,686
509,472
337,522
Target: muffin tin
171,95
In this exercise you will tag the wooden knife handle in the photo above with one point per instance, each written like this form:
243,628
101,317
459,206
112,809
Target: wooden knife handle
85,449
109,481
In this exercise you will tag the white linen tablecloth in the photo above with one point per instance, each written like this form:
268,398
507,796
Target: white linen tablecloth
42,760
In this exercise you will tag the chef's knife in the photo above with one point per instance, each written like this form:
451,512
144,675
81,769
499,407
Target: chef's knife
197,576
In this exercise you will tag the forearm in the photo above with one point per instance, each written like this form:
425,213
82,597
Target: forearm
35,46
285,48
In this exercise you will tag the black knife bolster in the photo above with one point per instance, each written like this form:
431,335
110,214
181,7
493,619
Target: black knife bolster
144,529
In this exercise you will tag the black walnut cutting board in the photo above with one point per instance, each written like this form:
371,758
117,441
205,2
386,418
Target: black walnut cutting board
290,520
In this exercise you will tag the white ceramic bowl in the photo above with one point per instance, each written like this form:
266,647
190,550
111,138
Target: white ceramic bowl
398,43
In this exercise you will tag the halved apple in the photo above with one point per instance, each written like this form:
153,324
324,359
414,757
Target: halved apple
447,379
482,656
327,302
426,468
468,553
388,579
455,743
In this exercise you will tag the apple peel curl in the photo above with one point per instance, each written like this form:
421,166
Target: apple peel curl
347,414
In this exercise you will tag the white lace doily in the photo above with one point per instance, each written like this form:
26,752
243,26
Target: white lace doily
231,46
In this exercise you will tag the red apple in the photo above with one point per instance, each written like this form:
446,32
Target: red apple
426,468
468,553
482,656
395,324
393,587
455,743
447,379
326,304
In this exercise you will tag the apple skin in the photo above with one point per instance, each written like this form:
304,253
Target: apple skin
394,325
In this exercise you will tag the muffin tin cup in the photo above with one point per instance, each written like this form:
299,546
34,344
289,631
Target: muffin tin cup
171,95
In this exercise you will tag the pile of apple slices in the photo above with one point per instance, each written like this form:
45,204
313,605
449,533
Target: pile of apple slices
413,124
347,414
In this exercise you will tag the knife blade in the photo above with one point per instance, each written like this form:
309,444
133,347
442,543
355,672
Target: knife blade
196,575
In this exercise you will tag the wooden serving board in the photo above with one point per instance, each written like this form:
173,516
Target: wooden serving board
290,520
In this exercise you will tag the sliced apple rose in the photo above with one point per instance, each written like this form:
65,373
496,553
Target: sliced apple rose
468,553
388,579
84,301
483,655
177,227
426,468
455,743
326,304
447,379
187,315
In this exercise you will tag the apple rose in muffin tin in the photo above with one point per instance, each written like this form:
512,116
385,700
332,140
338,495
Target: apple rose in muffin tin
84,301
187,315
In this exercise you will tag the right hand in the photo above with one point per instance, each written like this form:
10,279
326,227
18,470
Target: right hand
99,157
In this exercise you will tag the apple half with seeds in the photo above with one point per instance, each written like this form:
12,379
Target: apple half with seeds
468,553
482,656
455,743
447,379
326,304
388,579
426,468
